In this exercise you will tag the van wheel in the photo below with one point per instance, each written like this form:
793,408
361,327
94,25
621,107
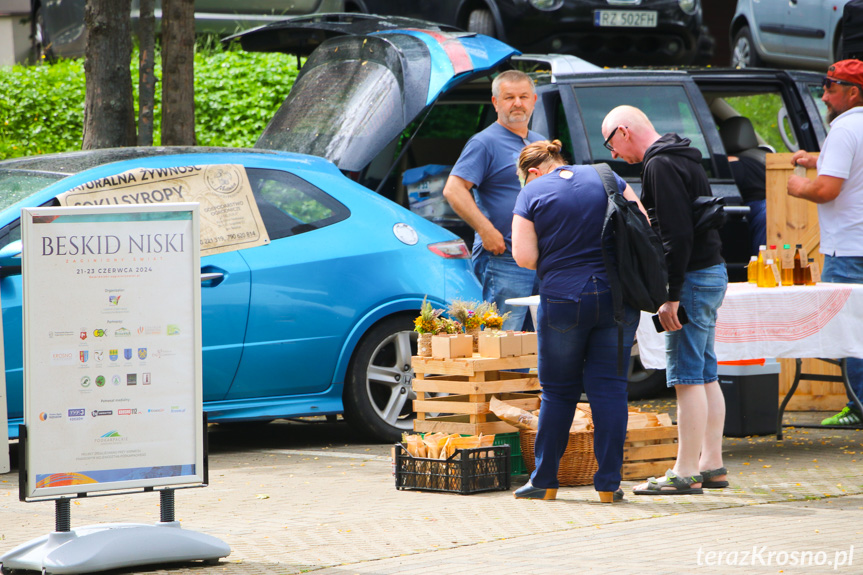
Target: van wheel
378,394
481,22
743,52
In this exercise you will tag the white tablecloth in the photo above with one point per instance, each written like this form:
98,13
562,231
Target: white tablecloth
825,320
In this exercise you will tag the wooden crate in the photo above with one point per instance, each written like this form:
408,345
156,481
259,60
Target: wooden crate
472,381
795,221
649,452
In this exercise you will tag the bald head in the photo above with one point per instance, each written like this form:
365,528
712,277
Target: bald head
635,133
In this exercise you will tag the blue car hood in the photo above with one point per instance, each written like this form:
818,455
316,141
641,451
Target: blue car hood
357,93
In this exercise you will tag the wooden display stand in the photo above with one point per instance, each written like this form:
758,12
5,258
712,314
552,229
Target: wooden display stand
649,452
472,381
795,221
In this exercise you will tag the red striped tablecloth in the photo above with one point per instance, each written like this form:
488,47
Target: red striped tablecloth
824,320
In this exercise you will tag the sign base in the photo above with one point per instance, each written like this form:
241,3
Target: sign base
113,546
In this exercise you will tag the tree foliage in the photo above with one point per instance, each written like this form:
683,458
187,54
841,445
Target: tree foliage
236,94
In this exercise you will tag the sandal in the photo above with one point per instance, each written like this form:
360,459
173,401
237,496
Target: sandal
671,484
708,478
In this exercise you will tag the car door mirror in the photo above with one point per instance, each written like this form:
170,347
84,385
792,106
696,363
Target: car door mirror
11,250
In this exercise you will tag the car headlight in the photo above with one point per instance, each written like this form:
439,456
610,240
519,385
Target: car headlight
546,5
688,6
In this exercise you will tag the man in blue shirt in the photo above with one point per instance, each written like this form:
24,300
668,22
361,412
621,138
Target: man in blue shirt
488,165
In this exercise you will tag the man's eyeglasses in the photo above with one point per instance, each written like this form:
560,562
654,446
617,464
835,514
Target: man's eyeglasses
607,142
826,83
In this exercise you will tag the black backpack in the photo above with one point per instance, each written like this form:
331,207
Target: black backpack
638,274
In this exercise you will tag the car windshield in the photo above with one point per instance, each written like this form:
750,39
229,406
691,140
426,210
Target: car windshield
15,185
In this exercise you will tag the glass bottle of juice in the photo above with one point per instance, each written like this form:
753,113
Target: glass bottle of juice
773,254
770,274
762,261
798,266
807,273
787,265
752,270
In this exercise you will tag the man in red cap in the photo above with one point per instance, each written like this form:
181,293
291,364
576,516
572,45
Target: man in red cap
838,191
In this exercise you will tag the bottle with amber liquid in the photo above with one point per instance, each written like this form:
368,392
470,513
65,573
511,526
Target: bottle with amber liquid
807,273
761,262
797,275
752,270
787,270
769,279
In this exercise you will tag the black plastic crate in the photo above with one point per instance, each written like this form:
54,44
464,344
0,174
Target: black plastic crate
466,471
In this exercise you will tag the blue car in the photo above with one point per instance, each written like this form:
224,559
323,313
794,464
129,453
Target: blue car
319,321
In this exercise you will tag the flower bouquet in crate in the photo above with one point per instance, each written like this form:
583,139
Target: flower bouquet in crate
426,325
470,315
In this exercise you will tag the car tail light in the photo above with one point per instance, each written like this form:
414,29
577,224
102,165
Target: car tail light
452,249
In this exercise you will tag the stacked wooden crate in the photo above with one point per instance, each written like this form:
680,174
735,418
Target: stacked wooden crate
470,383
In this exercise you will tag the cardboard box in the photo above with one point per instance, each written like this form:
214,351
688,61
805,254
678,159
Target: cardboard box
499,344
529,345
452,346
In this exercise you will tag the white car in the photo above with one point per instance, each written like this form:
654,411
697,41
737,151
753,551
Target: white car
804,34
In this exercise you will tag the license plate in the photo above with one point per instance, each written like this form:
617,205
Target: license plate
625,18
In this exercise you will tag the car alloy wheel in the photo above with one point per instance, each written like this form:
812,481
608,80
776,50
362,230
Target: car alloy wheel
743,54
379,394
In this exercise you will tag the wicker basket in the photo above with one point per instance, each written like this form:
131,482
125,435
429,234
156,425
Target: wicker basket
578,464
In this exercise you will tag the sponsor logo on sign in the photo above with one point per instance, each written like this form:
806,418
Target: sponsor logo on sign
83,355
113,299
122,332
132,411
100,381
142,353
98,333
177,409
113,354
112,436
85,381
149,330
43,416
101,412
98,355
145,378
76,414
131,379
63,357
83,334
173,329
115,379
156,410
127,353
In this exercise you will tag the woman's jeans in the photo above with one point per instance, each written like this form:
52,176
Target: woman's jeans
847,270
578,352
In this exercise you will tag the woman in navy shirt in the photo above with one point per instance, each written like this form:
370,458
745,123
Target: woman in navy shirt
557,230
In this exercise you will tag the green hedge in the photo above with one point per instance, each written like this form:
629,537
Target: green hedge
236,94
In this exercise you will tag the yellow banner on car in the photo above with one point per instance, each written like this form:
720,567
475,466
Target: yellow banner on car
230,219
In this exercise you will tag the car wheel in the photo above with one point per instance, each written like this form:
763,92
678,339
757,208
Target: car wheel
41,42
481,22
378,394
743,53
644,383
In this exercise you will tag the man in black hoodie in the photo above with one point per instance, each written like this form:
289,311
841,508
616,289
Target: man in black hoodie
672,177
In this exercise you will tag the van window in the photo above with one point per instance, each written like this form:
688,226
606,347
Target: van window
668,107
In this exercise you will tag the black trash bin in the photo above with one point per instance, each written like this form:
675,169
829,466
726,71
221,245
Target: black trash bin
751,398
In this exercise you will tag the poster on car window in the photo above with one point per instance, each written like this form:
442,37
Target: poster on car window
112,348
230,219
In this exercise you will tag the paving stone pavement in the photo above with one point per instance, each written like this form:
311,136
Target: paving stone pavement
308,498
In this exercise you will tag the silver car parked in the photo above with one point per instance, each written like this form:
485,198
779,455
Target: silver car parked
58,25
803,34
